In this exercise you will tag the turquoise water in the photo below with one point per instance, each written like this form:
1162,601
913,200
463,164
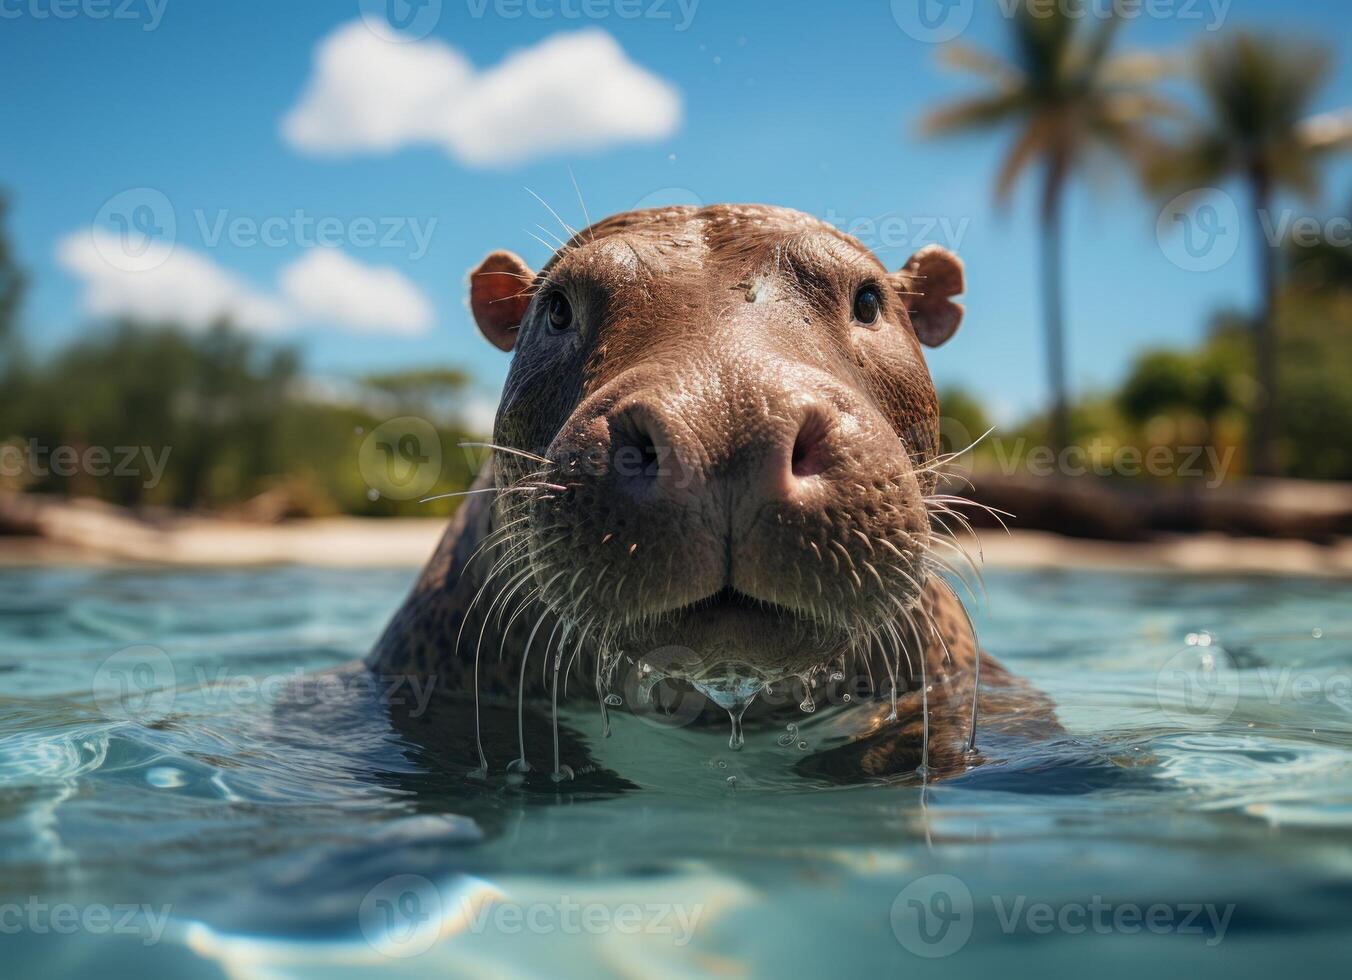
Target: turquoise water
1195,820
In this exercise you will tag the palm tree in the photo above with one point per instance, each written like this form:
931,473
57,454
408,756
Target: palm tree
1257,93
1067,96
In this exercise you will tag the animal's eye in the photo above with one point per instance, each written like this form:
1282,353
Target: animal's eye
868,305
560,312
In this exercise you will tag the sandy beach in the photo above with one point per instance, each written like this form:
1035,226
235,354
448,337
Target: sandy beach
86,532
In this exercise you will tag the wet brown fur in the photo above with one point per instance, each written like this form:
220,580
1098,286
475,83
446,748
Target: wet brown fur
675,332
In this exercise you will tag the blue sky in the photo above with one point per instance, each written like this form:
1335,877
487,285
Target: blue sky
805,104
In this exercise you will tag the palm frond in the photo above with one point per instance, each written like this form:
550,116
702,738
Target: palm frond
978,62
978,112
1032,142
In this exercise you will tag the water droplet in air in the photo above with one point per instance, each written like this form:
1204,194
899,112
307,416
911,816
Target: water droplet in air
614,700
736,740
1317,633
802,745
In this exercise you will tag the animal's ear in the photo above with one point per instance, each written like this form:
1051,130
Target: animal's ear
498,297
926,282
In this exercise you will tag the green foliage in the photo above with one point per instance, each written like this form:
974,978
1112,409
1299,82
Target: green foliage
234,417
1315,412
12,283
1203,383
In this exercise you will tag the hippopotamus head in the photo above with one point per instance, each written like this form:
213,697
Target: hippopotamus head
718,434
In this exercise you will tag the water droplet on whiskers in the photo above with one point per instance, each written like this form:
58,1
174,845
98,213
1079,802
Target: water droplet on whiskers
807,704
614,700
563,774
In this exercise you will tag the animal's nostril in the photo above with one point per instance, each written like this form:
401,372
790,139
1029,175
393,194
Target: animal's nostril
809,448
647,454
635,451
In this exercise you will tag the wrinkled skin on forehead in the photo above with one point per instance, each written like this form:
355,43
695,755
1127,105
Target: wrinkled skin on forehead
714,463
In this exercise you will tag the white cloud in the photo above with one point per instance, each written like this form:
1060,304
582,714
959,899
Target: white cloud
569,92
328,286
324,287
479,413
184,286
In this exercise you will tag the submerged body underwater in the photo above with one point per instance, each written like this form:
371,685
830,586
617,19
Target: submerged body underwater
220,824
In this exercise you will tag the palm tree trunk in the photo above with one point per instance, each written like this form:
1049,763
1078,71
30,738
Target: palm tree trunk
1263,432
1052,300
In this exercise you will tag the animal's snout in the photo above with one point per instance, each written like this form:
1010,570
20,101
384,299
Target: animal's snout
715,504
663,449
